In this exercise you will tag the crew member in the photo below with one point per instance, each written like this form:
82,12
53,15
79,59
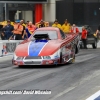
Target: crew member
66,27
84,37
18,29
56,24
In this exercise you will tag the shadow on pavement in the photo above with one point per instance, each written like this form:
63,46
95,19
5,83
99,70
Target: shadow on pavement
40,66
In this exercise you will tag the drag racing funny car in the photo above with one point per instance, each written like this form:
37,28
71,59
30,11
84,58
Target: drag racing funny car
47,46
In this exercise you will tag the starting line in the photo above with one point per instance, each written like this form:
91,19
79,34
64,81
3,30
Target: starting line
95,96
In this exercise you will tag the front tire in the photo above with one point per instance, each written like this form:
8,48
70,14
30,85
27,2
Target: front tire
60,57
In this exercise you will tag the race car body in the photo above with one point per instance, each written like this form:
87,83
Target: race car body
48,45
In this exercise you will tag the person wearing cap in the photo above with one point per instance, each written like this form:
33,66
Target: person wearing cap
18,28
66,27
56,24
7,30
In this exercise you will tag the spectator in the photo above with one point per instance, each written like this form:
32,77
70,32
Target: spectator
18,29
84,37
56,24
27,23
47,24
42,24
7,30
30,29
24,31
36,24
1,32
74,29
66,27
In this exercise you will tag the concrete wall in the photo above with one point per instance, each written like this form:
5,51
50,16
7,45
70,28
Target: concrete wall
1,12
27,15
49,11
10,46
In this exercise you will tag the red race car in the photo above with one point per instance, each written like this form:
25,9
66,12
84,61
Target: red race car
47,46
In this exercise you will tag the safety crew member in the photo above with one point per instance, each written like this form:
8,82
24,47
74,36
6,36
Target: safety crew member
84,37
56,24
66,27
18,28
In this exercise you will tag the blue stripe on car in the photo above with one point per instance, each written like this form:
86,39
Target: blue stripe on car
35,48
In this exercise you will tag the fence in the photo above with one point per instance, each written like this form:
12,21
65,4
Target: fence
8,47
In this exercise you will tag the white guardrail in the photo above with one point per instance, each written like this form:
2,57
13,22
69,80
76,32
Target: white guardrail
7,47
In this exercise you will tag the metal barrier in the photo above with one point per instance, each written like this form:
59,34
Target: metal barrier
8,47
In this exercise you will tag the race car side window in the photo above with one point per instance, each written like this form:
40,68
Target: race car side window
62,34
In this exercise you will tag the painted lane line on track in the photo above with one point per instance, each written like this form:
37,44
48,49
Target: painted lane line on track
94,96
62,93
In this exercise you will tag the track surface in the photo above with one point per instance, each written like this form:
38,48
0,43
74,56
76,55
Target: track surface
75,81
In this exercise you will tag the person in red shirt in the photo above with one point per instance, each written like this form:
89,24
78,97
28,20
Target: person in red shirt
31,27
74,29
84,37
